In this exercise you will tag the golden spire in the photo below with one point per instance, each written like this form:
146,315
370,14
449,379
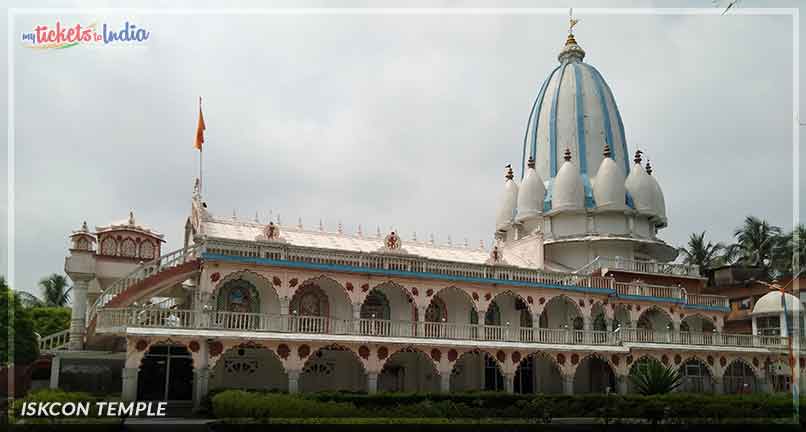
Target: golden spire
571,48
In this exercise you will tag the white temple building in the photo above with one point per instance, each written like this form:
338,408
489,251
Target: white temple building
577,291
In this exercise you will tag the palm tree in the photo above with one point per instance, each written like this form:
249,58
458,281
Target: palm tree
701,253
653,378
785,251
55,290
757,241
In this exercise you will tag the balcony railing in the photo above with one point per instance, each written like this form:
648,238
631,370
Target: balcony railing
652,267
117,320
645,290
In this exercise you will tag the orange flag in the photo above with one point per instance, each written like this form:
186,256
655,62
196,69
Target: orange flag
200,130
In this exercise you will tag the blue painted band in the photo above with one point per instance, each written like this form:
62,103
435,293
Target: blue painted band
580,114
536,121
708,308
597,80
553,123
620,124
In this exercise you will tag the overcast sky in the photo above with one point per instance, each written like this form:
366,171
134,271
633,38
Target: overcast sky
390,120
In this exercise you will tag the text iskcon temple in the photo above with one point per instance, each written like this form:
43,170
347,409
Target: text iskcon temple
576,291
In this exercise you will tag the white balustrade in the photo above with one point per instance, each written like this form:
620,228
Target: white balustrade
53,342
651,267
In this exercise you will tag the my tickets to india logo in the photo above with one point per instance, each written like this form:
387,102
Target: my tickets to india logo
61,36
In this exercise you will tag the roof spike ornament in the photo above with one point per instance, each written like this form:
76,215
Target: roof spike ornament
531,162
637,158
567,155
607,153
571,50
648,167
299,223
340,228
234,217
131,217
414,236
278,219
509,174
467,243
257,217
431,238
321,225
450,242
378,232
360,231
84,227
481,244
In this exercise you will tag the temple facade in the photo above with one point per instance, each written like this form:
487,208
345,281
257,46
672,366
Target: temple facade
576,291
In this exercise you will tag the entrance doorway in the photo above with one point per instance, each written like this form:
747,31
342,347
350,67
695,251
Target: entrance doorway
166,374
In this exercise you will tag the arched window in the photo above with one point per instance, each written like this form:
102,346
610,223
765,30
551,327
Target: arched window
238,296
493,315
147,250
109,246
83,244
436,311
376,306
128,248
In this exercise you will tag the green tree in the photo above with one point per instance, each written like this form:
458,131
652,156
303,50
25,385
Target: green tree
786,249
757,243
652,378
49,320
55,290
702,253
26,348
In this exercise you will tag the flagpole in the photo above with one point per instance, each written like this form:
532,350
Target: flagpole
201,159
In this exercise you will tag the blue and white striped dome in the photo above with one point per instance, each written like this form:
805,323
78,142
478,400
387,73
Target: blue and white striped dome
574,110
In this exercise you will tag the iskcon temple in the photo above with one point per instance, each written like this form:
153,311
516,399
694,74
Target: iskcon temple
577,290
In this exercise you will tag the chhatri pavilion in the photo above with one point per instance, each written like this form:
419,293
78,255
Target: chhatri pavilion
577,289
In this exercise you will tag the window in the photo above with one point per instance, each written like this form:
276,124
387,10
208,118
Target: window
147,250
768,326
109,246
128,248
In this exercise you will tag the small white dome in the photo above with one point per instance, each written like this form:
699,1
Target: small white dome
660,201
609,190
509,201
531,193
568,193
770,304
641,187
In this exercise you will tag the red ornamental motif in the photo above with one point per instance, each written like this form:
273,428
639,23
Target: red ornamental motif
637,307
665,359
475,296
193,346
516,357
710,360
541,300
283,351
429,293
590,301
365,287
349,286
303,351
615,359
629,307
293,282
755,362
277,281
452,355
436,354
363,351
383,352
574,358
501,356
723,361
581,303
682,315
677,359
487,296
141,345
215,276
414,291
629,359
216,348
529,300
560,359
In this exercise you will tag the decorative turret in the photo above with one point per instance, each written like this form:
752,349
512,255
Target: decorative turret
609,190
659,202
508,202
531,194
82,239
640,186
568,192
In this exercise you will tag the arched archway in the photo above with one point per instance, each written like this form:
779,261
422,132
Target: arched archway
561,312
696,377
638,367
409,370
249,368
654,325
697,324
333,368
476,370
739,377
166,373
538,373
621,317
594,375
508,317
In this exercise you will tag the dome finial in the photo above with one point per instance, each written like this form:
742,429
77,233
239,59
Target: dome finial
510,175
607,153
531,162
637,158
567,156
648,167
571,50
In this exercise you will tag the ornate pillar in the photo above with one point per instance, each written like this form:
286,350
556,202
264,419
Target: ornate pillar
357,318
568,384
782,324
445,381
622,384
480,315
509,382
78,317
535,327
421,320
284,303
129,391
719,386
372,382
55,369
293,381
201,376
609,325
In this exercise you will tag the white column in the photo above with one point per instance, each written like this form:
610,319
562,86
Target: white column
201,376
421,321
445,381
509,382
782,324
480,318
293,381
535,327
55,368
129,391
78,324
357,318
284,302
621,384
755,326
719,386
568,384
372,382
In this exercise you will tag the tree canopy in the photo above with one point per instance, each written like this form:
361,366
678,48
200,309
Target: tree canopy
26,347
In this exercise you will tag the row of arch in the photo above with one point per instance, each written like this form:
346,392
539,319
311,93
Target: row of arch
322,296
339,368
